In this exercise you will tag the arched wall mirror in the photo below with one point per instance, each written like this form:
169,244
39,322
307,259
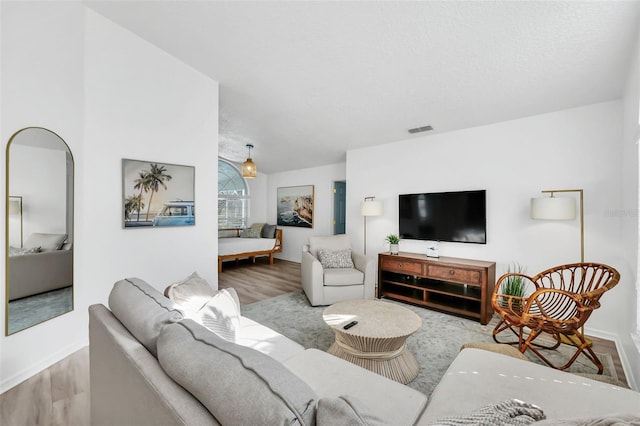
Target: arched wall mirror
39,228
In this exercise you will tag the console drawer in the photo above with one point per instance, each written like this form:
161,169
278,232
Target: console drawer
402,266
464,276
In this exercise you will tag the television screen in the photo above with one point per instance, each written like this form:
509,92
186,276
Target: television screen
444,216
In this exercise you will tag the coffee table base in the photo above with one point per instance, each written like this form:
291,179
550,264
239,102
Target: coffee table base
399,365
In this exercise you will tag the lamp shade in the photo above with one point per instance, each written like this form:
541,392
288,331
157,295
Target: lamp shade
249,169
553,208
371,208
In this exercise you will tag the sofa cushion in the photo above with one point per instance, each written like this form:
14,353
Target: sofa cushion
190,293
332,377
263,339
268,231
46,242
509,377
143,310
343,276
335,258
345,410
241,385
221,314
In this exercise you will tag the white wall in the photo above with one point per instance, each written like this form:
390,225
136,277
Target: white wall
109,95
39,176
41,84
322,178
143,104
513,161
630,214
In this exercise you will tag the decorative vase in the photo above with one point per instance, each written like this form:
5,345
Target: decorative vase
394,248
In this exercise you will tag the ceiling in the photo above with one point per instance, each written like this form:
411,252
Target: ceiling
305,81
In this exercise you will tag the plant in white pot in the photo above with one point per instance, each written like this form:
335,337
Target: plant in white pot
394,243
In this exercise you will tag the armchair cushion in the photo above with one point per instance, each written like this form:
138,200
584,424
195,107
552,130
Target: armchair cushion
335,259
343,276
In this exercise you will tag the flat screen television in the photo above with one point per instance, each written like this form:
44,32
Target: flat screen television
444,216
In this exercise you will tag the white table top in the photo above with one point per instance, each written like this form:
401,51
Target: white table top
376,319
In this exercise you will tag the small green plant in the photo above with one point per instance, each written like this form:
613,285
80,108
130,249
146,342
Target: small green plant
393,239
513,285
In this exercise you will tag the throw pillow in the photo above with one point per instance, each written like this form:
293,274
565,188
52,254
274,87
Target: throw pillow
269,231
335,259
143,310
221,314
191,293
46,242
250,233
238,385
14,251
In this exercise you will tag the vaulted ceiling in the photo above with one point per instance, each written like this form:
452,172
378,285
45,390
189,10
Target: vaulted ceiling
305,81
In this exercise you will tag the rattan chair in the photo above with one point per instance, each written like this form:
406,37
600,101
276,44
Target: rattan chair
557,301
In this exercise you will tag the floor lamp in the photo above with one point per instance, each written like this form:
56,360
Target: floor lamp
369,207
561,208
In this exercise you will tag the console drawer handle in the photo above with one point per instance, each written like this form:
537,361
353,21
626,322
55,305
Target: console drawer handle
452,272
400,265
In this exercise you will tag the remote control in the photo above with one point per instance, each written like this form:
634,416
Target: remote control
351,324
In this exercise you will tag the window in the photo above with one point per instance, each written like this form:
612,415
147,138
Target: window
233,197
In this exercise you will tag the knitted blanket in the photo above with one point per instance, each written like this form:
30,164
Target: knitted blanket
506,413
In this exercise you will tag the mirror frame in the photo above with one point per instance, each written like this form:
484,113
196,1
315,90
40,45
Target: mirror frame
70,219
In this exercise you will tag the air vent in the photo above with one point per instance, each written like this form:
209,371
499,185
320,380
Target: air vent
420,129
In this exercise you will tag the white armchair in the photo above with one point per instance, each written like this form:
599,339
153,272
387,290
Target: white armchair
325,286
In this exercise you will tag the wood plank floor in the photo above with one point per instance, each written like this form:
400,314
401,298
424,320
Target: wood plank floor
59,395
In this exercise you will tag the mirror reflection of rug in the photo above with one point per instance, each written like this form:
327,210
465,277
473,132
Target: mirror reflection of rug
23,313
435,345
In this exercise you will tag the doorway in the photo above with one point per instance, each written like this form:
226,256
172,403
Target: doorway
339,207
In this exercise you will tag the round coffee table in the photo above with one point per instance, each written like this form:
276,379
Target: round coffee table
378,341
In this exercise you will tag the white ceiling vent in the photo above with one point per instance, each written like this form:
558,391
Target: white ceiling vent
420,129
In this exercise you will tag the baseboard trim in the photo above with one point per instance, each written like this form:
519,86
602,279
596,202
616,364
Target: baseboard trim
26,373
624,360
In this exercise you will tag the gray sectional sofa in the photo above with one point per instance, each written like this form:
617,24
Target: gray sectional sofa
150,364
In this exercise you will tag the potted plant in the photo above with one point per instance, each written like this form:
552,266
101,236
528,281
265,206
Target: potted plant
513,286
394,242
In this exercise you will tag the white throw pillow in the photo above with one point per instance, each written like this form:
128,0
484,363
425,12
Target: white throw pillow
221,314
191,293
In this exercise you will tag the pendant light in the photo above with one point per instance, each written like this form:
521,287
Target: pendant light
249,169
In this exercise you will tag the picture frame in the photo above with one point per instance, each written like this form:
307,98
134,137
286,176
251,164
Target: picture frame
295,206
156,194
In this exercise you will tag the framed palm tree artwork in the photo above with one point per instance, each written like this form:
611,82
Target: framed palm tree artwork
157,194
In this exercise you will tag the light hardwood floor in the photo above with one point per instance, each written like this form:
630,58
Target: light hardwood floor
59,395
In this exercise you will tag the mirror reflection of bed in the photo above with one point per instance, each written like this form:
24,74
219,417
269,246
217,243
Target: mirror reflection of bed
39,223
